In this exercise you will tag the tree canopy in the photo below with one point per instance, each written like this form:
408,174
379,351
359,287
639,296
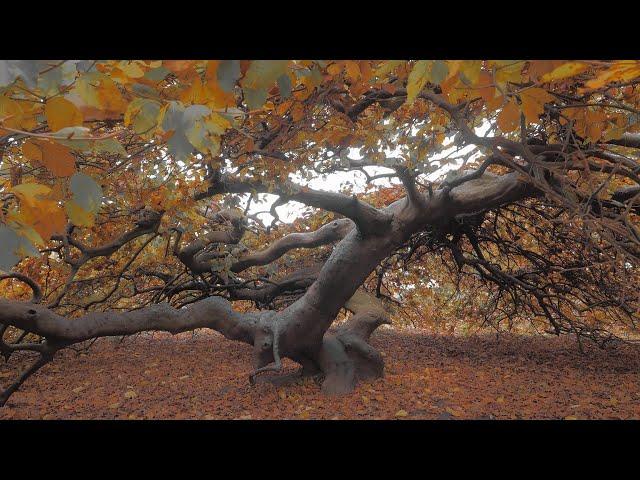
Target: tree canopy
147,195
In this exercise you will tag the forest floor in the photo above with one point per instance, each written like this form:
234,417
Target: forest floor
204,376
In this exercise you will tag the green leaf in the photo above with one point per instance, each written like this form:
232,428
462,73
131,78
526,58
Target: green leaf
143,115
262,74
228,74
284,85
108,145
187,129
418,78
85,88
86,192
49,83
157,74
10,242
439,71
27,70
255,99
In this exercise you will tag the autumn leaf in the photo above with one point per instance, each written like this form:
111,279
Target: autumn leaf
533,101
17,115
129,394
484,86
45,216
509,118
508,71
387,67
61,113
469,72
31,193
263,73
218,95
537,68
334,69
352,70
57,158
622,71
418,78
78,215
567,70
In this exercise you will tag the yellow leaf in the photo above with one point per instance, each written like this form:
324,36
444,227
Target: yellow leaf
387,67
18,115
217,123
61,113
508,71
569,69
471,70
30,192
30,233
571,417
621,71
589,124
418,78
78,215
132,70
509,118
130,394
402,413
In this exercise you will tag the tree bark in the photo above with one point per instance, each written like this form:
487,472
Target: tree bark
300,331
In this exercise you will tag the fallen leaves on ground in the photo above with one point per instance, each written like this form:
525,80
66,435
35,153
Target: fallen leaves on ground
204,376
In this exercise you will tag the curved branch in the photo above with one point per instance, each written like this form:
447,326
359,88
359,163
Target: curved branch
37,291
370,220
328,233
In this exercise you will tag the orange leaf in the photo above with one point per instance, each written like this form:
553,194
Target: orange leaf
55,157
533,100
509,118
61,113
566,70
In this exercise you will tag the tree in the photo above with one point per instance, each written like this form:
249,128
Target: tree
127,190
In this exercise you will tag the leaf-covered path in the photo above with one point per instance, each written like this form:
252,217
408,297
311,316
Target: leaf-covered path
204,376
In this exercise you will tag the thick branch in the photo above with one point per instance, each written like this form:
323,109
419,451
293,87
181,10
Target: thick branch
215,313
331,232
627,140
